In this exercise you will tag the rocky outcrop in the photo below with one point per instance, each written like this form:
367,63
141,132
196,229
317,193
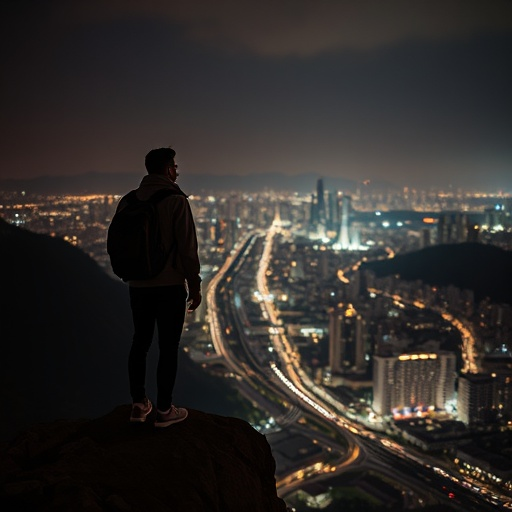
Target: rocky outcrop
207,463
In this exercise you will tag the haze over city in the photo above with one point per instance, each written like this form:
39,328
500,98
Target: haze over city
413,93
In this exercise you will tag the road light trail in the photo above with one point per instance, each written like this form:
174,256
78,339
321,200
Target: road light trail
289,384
282,345
301,384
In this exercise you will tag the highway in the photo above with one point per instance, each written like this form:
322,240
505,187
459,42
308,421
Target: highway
268,370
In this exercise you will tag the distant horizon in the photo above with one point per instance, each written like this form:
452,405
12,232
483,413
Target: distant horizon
269,180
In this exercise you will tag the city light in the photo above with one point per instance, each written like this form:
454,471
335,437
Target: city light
274,274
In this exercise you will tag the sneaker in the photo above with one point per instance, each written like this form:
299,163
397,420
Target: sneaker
173,415
140,411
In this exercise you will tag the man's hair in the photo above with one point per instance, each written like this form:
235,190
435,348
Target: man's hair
157,159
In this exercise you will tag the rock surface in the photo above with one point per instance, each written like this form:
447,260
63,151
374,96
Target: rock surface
206,463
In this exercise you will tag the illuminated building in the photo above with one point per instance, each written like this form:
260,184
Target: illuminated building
320,201
499,216
413,382
346,340
344,239
383,383
333,213
312,211
476,398
499,365
446,377
349,236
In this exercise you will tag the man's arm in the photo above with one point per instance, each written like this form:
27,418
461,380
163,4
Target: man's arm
186,240
194,303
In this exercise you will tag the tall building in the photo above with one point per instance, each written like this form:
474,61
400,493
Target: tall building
347,335
499,215
476,398
445,384
383,383
504,393
461,228
425,238
320,201
413,381
452,228
318,215
499,365
312,211
344,237
332,211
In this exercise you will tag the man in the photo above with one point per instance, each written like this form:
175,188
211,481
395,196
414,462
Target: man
162,300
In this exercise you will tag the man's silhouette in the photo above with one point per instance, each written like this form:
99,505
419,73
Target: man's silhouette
162,300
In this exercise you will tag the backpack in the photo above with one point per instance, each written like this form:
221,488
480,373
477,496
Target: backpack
134,240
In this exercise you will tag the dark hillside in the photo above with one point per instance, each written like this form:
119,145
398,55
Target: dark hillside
65,331
485,269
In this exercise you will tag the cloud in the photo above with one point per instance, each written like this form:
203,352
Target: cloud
310,27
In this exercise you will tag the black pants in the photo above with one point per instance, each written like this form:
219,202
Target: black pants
164,306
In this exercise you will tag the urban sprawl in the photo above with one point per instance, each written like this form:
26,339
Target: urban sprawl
425,368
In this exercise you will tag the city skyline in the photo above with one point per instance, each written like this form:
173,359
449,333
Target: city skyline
417,95
317,333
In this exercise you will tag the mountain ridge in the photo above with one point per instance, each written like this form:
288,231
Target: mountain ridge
455,264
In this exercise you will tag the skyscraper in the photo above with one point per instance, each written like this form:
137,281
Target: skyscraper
383,382
346,340
344,237
332,210
318,217
476,398
313,216
321,210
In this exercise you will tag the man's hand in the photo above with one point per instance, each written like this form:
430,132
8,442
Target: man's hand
195,300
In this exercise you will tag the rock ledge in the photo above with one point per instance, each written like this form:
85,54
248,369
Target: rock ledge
206,463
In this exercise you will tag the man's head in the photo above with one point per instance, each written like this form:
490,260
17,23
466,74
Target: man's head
161,161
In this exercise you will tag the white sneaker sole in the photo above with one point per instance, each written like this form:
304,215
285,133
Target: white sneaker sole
142,419
138,420
162,424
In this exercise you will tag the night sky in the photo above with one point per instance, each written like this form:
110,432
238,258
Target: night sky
416,92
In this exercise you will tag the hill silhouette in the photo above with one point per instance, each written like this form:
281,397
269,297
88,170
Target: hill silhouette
484,269
65,332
